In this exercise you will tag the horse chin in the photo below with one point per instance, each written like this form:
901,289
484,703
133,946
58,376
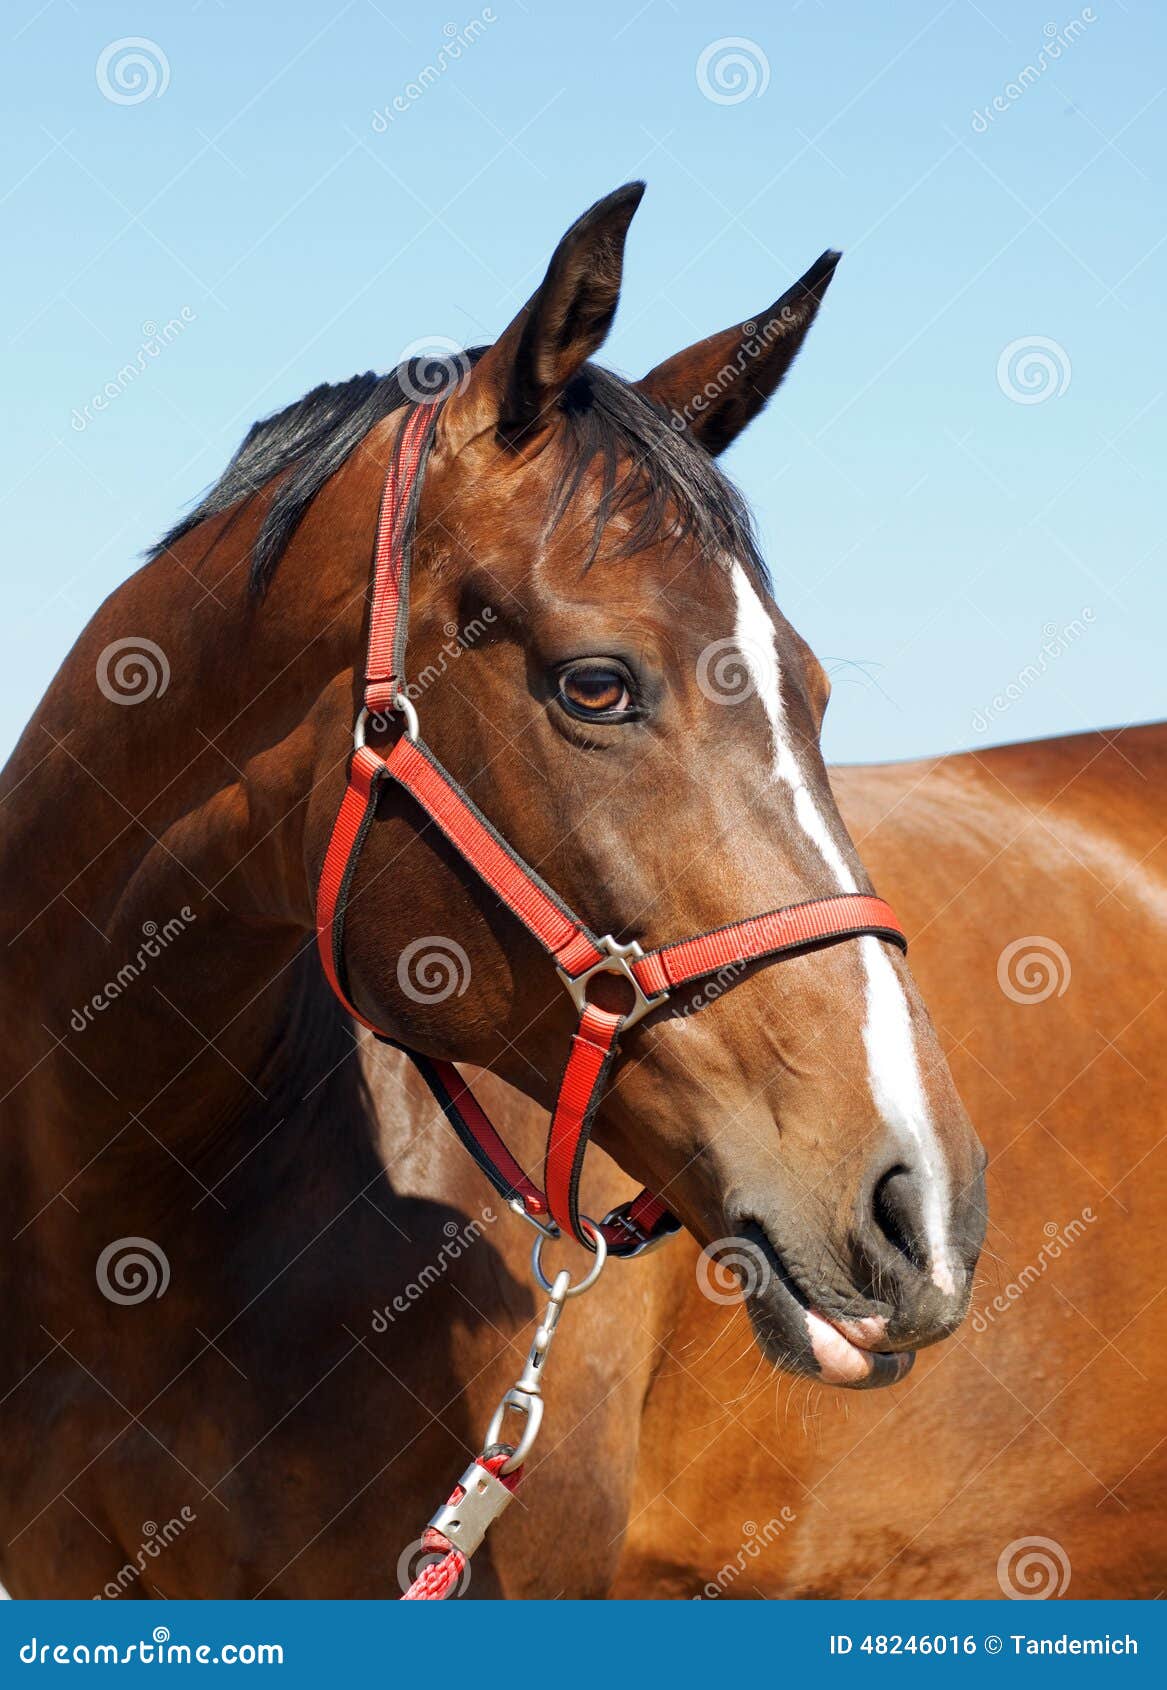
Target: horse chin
799,1339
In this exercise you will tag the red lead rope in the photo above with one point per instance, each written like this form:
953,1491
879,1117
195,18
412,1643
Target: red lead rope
575,950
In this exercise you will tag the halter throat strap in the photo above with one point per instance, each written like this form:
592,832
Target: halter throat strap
576,951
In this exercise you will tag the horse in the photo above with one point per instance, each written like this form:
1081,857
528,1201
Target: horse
261,1302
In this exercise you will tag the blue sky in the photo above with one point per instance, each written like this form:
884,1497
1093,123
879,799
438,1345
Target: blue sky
969,536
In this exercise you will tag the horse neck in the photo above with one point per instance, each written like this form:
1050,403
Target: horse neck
159,901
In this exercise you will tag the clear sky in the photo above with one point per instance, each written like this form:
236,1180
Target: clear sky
970,537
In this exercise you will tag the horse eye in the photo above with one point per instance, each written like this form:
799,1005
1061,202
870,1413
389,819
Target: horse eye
595,689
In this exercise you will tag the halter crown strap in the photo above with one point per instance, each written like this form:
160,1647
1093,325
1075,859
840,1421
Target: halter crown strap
577,952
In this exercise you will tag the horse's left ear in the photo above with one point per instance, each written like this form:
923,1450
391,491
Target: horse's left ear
515,386
719,385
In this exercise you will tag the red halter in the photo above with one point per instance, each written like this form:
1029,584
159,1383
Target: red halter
576,951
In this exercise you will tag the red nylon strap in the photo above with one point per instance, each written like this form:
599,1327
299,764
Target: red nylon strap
388,619
348,831
472,836
850,915
593,1047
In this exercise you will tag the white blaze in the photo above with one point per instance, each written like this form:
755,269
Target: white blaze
893,1066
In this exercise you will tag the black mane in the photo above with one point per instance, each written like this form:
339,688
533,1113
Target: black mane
674,487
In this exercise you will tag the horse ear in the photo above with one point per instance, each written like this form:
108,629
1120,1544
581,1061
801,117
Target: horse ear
514,386
719,385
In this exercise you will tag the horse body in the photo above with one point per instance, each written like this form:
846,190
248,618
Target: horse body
261,1303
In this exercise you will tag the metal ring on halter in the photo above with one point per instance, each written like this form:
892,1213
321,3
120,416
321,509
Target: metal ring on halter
400,703
589,1279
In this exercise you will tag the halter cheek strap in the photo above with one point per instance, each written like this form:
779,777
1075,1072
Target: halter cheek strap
578,954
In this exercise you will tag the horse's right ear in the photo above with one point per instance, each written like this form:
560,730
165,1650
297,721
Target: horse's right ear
515,386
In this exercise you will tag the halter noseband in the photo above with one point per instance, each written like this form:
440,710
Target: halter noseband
578,954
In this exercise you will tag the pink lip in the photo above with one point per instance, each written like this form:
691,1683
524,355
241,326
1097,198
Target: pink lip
843,1348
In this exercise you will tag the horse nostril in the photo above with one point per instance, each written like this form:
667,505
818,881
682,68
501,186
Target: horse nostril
897,1207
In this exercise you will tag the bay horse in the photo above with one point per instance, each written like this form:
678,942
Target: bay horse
261,1303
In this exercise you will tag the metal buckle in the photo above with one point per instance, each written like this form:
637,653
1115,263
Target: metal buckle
617,959
365,716
620,1217
465,1523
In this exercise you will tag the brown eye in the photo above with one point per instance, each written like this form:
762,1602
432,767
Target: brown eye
596,689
